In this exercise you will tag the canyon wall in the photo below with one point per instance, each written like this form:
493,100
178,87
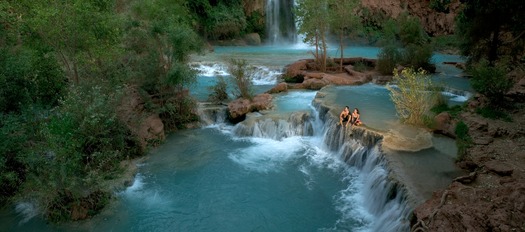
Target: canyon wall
434,22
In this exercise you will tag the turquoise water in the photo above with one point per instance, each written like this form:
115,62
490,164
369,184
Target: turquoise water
209,179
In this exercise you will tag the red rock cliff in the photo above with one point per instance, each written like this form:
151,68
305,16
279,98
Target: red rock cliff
435,23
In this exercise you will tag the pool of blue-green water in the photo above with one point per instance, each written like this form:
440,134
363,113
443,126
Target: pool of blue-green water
211,180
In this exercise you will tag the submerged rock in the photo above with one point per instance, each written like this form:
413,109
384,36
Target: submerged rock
407,138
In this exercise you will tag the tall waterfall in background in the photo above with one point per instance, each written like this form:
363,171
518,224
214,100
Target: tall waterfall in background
280,22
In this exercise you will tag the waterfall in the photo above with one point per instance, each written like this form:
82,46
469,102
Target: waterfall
385,197
277,128
280,23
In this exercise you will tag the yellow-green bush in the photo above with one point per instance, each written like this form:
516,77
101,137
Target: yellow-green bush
413,96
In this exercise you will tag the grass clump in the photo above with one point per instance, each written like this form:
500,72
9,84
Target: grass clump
242,73
219,91
463,139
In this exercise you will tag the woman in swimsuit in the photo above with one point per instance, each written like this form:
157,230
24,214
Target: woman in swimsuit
355,117
345,116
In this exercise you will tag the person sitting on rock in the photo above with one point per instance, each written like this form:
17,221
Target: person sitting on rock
355,117
345,117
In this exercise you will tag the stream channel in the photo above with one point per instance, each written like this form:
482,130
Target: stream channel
288,169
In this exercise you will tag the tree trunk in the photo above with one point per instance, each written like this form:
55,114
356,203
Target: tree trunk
494,44
341,45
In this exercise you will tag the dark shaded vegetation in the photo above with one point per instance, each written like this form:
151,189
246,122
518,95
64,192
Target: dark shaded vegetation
406,44
296,79
63,71
219,92
463,139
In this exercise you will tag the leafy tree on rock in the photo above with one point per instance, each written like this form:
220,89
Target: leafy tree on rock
343,19
313,18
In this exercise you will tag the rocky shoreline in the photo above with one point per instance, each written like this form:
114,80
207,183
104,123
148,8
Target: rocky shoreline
492,196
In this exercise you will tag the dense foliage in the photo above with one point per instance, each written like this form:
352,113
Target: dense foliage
407,44
224,19
492,29
491,82
63,71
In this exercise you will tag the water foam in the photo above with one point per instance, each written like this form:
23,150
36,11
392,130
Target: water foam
210,69
267,155
149,197
27,210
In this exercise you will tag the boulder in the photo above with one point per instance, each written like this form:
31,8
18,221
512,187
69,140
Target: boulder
238,108
152,128
281,87
146,126
297,68
252,39
314,84
499,167
518,90
444,124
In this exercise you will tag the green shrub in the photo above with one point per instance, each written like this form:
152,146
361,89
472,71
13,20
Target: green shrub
490,112
463,139
29,77
444,42
255,23
82,145
418,56
411,31
225,22
412,97
178,111
387,59
296,79
219,92
360,66
491,82
242,73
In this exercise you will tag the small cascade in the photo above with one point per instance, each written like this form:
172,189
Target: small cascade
210,114
280,23
386,199
277,128
456,95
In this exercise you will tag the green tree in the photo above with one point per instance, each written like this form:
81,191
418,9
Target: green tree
160,40
491,82
83,34
313,19
343,19
490,29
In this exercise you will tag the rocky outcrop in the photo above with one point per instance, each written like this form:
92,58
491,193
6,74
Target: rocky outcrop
281,87
251,6
492,196
316,80
146,126
434,22
445,124
238,108
518,90
252,39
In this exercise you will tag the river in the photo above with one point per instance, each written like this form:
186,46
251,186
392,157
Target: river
288,169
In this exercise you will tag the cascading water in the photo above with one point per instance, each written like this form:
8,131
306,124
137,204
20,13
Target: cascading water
383,197
280,23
